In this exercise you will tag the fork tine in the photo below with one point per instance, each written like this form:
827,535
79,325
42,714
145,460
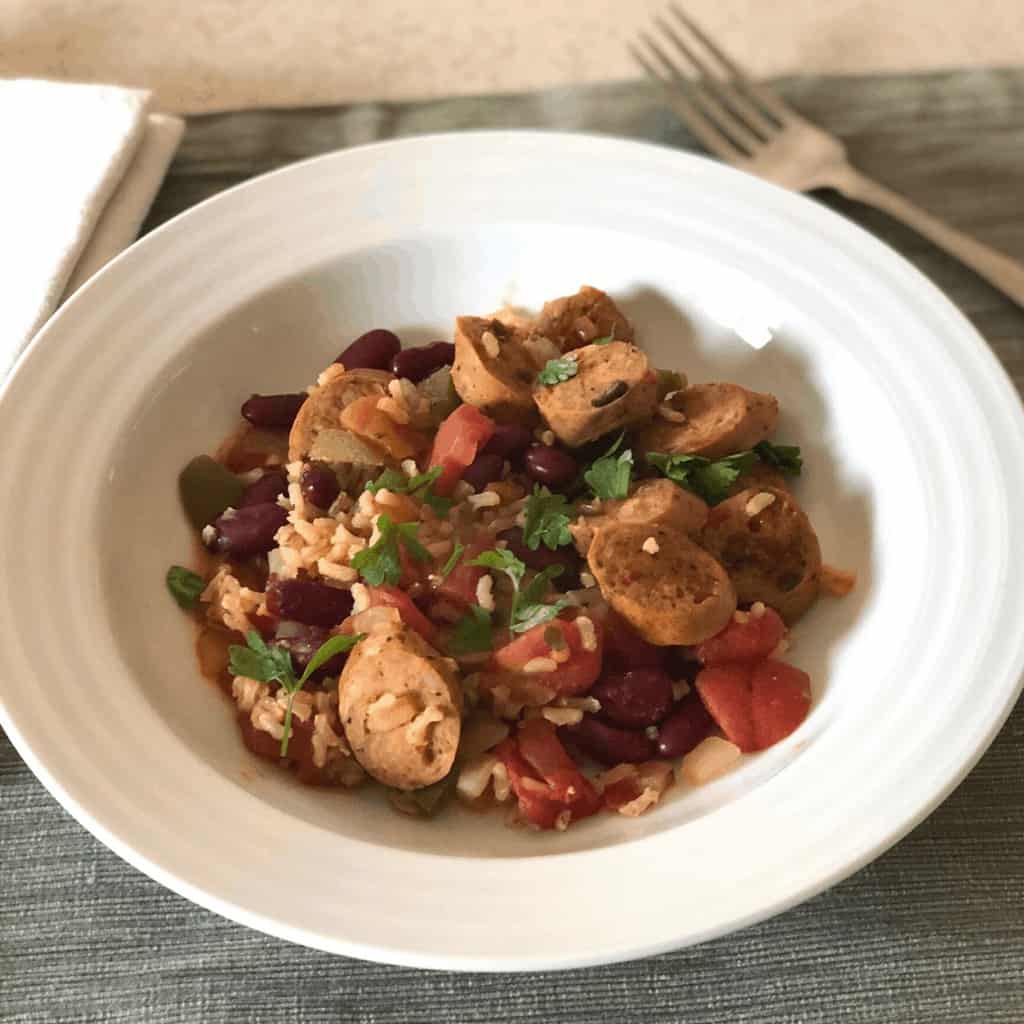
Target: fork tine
699,124
717,116
756,119
760,92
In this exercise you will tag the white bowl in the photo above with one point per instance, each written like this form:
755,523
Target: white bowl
912,435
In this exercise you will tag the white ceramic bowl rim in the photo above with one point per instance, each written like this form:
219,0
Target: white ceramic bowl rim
963,424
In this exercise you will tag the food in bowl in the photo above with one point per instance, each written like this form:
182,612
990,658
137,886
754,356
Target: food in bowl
524,568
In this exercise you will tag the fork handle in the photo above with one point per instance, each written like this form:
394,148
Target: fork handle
998,269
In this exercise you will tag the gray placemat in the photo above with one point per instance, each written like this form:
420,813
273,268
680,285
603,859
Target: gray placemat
932,931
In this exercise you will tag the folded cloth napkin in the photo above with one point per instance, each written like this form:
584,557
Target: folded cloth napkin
81,165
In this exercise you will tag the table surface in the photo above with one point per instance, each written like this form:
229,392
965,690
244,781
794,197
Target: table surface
932,931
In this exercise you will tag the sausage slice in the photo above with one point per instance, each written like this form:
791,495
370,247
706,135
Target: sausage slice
399,702
721,419
613,388
654,501
579,319
670,591
317,432
768,547
493,369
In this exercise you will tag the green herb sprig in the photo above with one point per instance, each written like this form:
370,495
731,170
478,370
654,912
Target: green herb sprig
546,519
609,476
381,562
185,586
558,371
527,608
419,486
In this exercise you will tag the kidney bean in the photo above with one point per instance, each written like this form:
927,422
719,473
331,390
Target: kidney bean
268,488
684,728
308,602
625,649
273,412
509,440
544,557
609,745
302,642
634,699
248,531
550,466
419,363
482,470
373,350
319,484
680,663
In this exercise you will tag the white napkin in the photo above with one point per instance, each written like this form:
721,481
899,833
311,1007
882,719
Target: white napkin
80,167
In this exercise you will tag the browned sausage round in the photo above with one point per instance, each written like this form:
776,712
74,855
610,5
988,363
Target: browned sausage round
493,369
721,419
654,501
768,547
317,433
579,319
663,584
613,387
399,702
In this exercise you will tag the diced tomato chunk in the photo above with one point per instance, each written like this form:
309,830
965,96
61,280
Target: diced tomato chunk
545,780
626,649
392,597
458,440
725,691
574,675
460,584
781,698
364,419
624,791
744,641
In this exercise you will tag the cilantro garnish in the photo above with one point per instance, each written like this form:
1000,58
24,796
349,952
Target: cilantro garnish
472,632
381,562
419,486
527,609
710,480
604,341
558,371
453,559
609,475
546,519
784,457
269,663
185,585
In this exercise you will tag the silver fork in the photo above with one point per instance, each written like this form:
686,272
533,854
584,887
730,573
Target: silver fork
746,124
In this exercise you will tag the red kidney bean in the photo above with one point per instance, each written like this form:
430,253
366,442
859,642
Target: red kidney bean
419,363
273,412
268,488
248,531
308,602
634,699
550,466
302,642
482,470
610,745
544,557
625,649
319,484
680,663
684,728
509,440
373,350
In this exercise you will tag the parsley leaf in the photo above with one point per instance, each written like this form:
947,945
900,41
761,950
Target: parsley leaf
381,562
266,663
453,559
419,486
185,585
784,457
710,480
547,518
472,632
609,475
558,371
604,341
527,608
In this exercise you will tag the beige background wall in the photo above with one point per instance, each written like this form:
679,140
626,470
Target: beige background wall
223,54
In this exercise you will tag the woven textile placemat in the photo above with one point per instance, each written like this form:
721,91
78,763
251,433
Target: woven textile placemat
932,931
